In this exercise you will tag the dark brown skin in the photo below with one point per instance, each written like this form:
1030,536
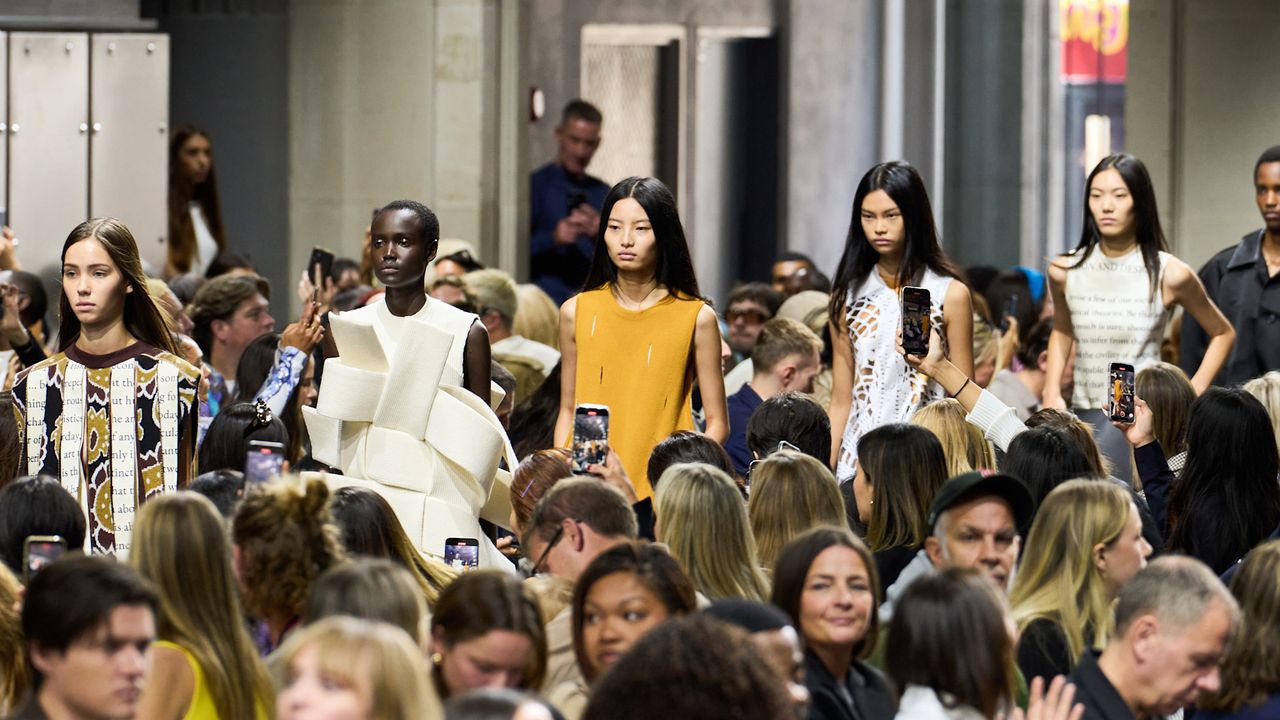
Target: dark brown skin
400,257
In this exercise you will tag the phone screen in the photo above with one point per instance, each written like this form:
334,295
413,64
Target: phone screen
322,262
590,436
1010,311
462,553
1121,392
915,320
39,551
264,461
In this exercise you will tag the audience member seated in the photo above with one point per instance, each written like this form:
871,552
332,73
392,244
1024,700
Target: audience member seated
203,663
785,359
749,307
810,307
533,478
900,468
37,505
795,272
533,420
88,624
224,488
1169,395
229,312
499,704
951,654
454,258
486,632
986,349
538,316
451,290
1022,386
1250,677
22,321
1172,625
577,520
701,517
371,529
226,444
973,524
1227,499
1043,458
681,446
369,589
1267,389
497,305
774,638
624,593
693,667
284,538
354,669
1085,545
793,418
962,443
790,493
279,370
825,580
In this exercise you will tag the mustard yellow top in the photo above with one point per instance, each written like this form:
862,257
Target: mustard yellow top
639,363
202,707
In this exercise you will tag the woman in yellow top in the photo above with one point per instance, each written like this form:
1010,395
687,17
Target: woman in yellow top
204,666
640,334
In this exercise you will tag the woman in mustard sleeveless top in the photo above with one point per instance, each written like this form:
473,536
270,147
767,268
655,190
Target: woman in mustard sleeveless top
204,665
639,334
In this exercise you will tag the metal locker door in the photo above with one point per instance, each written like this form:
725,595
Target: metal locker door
128,146
4,127
48,144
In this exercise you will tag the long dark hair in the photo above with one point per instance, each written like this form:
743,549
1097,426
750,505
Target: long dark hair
1043,458
182,234
252,371
939,614
142,318
1147,228
675,266
1227,499
905,464
920,248
227,441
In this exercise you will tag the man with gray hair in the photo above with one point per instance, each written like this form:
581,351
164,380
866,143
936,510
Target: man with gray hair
528,360
1172,624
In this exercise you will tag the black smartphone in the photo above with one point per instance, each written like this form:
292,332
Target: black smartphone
462,553
590,436
575,199
264,461
1121,399
915,321
321,262
1010,311
38,551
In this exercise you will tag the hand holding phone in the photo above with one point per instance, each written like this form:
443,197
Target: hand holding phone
1120,393
462,553
590,437
915,321
38,551
264,461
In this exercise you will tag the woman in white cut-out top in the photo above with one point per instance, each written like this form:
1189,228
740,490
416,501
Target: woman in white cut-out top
1113,296
892,243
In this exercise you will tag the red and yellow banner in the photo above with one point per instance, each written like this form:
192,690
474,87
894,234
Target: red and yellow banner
1095,40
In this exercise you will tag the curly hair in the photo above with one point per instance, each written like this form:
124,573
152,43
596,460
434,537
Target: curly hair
287,538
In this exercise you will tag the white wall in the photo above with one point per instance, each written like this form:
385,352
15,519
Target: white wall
1201,104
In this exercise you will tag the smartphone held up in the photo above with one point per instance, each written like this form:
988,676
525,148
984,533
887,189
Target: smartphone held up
915,321
1120,396
590,436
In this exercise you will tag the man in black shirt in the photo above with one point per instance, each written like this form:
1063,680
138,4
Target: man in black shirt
1172,624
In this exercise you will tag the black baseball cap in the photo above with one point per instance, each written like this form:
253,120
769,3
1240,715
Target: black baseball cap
976,483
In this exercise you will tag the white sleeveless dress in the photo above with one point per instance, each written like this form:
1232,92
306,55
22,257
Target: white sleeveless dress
1116,318
885,389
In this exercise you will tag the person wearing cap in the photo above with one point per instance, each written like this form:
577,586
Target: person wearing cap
775,639
973,523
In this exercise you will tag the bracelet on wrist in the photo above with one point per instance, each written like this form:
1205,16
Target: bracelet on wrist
962,387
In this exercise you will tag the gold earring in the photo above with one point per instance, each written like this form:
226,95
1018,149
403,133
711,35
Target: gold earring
436,658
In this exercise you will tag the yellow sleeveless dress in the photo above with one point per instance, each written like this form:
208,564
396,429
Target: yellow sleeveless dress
202,707
638,362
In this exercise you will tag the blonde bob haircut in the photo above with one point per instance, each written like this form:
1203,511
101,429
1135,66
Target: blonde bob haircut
1058,580
701,517
790,493
380,661
962,442
1267,389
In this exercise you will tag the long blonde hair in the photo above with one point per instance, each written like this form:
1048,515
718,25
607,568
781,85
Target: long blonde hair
1058,580
962,442
701,517
790,493
181,545
377,659
13,665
